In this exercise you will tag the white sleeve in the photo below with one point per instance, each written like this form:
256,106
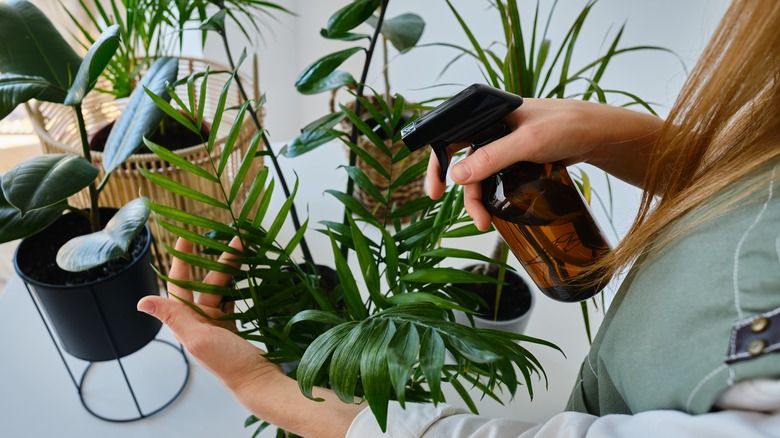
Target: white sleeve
741,419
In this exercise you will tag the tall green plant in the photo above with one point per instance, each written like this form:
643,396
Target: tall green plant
37,63
381,337
530,64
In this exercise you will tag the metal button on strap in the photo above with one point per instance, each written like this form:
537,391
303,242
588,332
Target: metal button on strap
759,325
754,337
756,347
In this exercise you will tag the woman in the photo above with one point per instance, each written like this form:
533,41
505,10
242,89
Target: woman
691,343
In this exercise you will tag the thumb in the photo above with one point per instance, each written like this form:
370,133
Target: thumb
173,314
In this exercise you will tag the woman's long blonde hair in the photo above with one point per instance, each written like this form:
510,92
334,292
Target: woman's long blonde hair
725,126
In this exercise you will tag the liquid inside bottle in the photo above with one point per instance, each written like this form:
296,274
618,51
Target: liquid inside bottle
547,224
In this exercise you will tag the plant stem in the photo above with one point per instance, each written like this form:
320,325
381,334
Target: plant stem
267,144
94,211
385,69
353,136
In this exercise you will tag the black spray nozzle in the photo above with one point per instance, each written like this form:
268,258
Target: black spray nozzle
475,115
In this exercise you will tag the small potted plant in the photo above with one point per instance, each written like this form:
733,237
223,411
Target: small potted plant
89,266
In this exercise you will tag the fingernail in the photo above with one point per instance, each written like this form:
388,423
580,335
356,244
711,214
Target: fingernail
460,172
147,307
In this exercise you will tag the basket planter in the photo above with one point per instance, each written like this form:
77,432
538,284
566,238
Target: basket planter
408,192
93,313
56,127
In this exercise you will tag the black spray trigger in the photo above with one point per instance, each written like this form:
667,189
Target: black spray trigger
440,149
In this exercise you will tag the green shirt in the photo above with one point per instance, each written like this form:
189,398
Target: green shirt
666,336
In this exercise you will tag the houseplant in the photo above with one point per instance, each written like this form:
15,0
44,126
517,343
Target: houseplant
384,340
528,64
324,75
37,63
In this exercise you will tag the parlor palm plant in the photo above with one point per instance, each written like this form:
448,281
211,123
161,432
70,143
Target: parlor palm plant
384,340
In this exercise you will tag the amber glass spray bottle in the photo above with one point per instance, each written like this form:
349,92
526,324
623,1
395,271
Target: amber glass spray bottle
536,208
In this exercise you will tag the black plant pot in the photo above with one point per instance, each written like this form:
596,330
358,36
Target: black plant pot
514,307
93,313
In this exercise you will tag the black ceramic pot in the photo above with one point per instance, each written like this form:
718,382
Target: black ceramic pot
514,306
93,313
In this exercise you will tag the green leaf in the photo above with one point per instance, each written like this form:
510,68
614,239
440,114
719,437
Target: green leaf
179,162
374,371
216,22
368,264
13,226
403,31
362,181
141,116
46,180
318,353
424,297
97,58
31,46
164,105
344,367
464,231
332,81
85,252
16,89
180,189
350,16
472,347
391,258
352,298
318,75
462,254
447,276
314,134
402,353
246,164
319,316
432,361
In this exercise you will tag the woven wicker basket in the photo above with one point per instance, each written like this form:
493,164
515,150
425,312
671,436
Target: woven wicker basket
57,129
408,192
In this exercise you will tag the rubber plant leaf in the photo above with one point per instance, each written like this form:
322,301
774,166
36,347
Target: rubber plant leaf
16,89
85,252
95,61
31,46
141,116
322,75
403,31
13,226
350,17
46,180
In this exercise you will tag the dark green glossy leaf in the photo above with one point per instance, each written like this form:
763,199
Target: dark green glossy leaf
31,46
346,36
85,252
17,89
350,16
46,180
321,70
95,61
332,81
13,226
314,134
141,116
